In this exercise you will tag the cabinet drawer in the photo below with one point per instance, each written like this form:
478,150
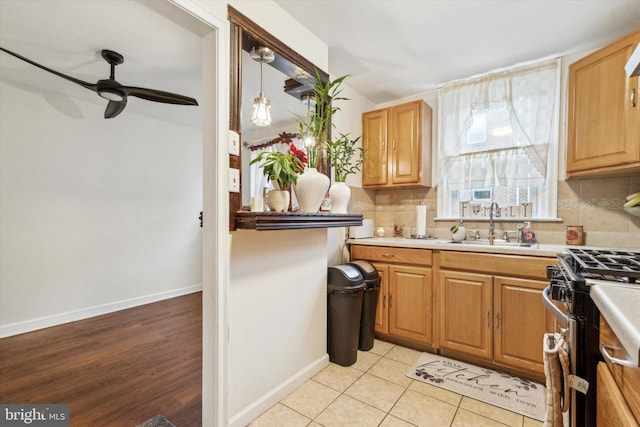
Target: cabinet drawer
503,265
422,257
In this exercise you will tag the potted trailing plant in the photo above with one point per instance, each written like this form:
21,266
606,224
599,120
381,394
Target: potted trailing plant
314,129
282,169
346,158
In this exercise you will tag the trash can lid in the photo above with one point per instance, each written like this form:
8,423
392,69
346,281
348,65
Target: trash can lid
344,278
368,270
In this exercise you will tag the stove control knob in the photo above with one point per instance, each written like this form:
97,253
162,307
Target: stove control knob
553,272
558,290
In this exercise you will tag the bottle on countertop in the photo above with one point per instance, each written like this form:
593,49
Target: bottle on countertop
528,236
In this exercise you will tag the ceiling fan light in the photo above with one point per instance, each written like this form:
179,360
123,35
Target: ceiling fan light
261,112
111,95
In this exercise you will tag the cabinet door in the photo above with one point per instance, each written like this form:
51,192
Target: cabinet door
405,137
520,321
465,304
611,408
410,303
382,316
627,378
374,143
603,123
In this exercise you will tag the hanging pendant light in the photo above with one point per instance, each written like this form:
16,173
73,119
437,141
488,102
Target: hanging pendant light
261,106
309,101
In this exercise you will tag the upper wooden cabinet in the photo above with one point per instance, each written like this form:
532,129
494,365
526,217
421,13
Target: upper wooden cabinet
397,144
604,116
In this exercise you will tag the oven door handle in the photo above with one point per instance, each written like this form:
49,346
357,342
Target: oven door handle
559,315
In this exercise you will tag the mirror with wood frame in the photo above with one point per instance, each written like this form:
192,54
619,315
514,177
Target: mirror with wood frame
289,67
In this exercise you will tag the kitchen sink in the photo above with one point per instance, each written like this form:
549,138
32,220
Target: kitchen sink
485,242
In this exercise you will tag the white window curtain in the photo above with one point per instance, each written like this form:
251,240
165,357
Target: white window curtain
521,124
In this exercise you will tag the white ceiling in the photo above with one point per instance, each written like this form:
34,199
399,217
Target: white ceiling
395,49
392,49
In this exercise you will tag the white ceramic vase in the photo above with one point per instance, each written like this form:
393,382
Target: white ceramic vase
279,200
340,194
310,190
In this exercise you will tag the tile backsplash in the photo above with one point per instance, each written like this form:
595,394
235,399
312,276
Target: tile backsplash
596,204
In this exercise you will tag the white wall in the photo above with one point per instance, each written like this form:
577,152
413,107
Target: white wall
277,316
95,214
277,279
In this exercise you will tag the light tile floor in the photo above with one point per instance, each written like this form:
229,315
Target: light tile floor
376,392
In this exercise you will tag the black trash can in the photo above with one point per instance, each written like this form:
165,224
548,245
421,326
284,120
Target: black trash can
369,303
344,308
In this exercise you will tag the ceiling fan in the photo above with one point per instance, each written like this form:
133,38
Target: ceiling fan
113,91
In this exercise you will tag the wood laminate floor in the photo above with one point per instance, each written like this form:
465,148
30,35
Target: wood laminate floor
118,369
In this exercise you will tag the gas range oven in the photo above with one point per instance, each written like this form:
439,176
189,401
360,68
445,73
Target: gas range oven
570,282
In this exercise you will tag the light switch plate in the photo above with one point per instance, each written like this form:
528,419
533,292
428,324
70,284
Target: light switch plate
234,180
234,143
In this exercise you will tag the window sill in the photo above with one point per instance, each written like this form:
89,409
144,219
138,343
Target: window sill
263,221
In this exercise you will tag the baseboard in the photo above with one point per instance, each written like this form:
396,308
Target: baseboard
85,313
252,411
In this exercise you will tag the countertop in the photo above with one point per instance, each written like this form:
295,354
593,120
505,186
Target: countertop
446,245
620,306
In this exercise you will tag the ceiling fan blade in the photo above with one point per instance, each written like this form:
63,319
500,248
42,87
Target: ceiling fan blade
90,86
159,96
114,108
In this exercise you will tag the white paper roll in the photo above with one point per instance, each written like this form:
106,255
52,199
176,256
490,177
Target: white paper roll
421,220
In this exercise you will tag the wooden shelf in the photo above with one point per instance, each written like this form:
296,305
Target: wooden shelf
294,220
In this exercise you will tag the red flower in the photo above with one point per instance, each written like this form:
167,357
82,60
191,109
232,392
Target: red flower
300,155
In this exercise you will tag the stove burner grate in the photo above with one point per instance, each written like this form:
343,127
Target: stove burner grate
607,262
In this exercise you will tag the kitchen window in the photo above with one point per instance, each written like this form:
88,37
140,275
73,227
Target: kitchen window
498,141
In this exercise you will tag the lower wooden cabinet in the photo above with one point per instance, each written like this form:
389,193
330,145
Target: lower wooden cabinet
405,301
521,321
382,313
486,311
410,302
618,386
612,409
500,319
464,306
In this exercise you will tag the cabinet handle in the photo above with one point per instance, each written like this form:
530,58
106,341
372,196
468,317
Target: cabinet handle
497,320
384,145
394,144
388,255
615,360
633,97
384,301
488,319
390,300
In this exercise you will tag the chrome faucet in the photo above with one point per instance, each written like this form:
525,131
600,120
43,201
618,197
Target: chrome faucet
494,205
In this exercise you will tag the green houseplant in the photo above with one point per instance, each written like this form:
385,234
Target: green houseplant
345,157
282,169
314,128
